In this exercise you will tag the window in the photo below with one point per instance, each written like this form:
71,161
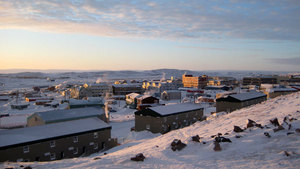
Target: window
147,126
96,146
26,149
52,143
95,135
52,156
75,151
75,139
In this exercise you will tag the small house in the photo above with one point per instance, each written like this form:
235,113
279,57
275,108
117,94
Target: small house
162,119
171,95
238,101
54,116
144,101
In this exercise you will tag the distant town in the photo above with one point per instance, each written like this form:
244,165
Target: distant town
73,119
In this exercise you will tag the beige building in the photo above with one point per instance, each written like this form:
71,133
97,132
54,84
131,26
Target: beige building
194,82
162,119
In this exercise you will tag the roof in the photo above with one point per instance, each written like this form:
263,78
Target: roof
28,135
161,111
281,90
127,85
133,95
69,114
243,96
86,102
145,96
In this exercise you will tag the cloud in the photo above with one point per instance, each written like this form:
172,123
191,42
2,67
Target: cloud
286,61
178,19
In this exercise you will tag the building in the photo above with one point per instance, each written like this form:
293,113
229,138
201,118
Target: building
171,95
160,86
144,101
88,102
238,101
222,81
162,119
90,90
124,89
259,80
274,92
55,116
194,82
55,141
131,100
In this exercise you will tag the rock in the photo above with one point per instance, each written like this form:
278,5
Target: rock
213,136
278,128
156,146
177,145
219,134
204,142
267,134
292,119
297,130
259,126
138,157
222,139
97,158
105,153
226,134
285,119
28,167
237,129
290,126
286,153
196,138
289,133
238,136
267,127
250,123
275,122
21,166
217,146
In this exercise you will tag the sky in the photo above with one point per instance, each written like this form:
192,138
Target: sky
142,35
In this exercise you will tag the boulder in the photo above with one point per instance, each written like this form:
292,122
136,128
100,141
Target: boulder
237,129
222,139
275,122
138,157
177,145
250,123
97,158
278,128
196,138
267,134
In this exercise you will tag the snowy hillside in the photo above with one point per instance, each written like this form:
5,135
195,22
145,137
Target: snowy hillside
252,150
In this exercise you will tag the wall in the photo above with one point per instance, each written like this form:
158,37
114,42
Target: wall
42,150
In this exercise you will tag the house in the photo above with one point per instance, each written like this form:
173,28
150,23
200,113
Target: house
131,100
55,141
54,116
124,89
274,92
238,101
162,119
144,101
171,95
90,90
259,80
198,82
88,102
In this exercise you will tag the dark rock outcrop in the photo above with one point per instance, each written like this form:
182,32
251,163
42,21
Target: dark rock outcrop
138,157
278,128
177,145
275,122
217,146
196,138
237,129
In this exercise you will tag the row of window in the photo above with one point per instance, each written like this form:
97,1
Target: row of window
52,143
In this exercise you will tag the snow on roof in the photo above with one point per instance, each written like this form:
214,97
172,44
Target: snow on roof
35,133
127,85
86,102
281,90
175,108
144,96
65,114
133,95
247,96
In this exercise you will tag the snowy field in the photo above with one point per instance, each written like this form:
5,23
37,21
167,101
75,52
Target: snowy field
252,150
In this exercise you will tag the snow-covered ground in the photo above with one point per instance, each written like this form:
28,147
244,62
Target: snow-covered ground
252,150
